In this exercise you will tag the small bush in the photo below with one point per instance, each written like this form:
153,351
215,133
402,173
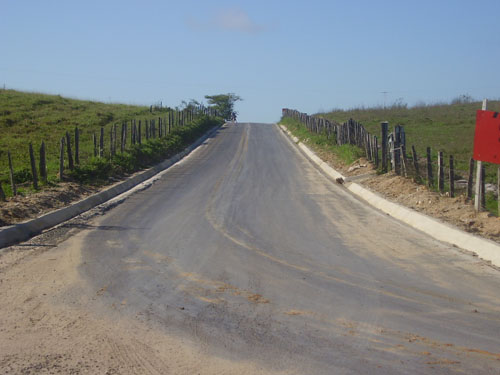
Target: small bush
9,122
22,175
348,153
94,169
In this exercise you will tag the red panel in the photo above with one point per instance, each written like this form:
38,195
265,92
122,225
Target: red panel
487,137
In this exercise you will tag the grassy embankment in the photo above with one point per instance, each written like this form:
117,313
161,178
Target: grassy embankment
443,127
345,153
31,117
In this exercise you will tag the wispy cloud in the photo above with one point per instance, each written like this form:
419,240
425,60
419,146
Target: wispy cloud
231,19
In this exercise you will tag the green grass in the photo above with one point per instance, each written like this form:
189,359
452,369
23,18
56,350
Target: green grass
98,170
32,117
445,127
492,204
348,154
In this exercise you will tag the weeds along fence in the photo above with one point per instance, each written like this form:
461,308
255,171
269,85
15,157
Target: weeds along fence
109,142
440,172
350,132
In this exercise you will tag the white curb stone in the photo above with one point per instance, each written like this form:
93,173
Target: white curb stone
484,248
21,232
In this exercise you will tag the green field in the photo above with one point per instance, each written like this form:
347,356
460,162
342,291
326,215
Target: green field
443,127
33,117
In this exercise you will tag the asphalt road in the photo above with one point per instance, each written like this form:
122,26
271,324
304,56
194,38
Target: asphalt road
248,251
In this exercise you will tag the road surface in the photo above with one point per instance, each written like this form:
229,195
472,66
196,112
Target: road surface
244,258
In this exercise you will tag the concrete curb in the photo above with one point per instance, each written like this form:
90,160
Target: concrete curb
23,231
484,248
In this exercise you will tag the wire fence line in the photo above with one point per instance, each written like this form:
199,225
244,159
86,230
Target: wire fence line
390,153
110,140
350,132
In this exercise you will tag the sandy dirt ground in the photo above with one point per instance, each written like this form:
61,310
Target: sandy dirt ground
47,327
457,211
23,207
52,320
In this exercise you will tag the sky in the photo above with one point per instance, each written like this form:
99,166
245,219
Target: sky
307,55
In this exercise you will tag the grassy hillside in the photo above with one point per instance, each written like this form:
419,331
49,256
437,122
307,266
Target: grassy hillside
445,127
32,117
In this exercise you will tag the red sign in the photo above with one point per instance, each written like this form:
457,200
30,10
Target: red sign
487,137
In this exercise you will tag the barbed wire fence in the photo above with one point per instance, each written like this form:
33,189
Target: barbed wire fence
112,139
439,172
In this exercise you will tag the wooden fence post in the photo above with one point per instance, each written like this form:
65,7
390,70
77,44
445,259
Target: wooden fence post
397,149
372,147
139,133
77,145
479,198
33,168
403,141
11,175
131,132
393,152
429,168
440,172
43,163
452,178
115,137
415,161
404,162
367,146
470,181
94,139
136,140
61,160
377,162
101,143
122,145
385,127
134,132
111,141
349,131
70,153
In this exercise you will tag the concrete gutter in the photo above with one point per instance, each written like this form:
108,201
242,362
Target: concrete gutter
23,231
484,248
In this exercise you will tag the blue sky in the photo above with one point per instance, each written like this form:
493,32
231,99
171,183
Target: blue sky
308,55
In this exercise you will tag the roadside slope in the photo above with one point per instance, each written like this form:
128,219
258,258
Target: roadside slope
484,248
250,259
